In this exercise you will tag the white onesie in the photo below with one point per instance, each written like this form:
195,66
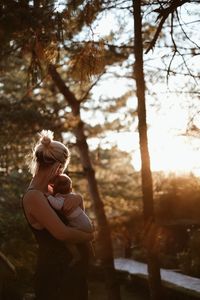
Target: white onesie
77,218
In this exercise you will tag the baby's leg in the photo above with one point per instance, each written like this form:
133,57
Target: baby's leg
75,254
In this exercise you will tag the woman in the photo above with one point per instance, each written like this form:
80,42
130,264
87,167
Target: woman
54,278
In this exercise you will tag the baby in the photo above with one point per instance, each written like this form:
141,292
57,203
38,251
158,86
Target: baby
62,189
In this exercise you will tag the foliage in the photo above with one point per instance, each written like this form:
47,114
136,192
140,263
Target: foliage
189,258
178,198
37,31
177,202
15,115
16,240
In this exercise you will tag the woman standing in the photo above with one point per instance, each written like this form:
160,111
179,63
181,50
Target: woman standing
55,279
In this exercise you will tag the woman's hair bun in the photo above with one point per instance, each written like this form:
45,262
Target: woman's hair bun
46,137
47,151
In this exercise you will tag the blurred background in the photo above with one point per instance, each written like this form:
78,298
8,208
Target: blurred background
72,67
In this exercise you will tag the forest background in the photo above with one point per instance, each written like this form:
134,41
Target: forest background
69,66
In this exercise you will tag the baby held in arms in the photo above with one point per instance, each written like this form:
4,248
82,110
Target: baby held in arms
62,191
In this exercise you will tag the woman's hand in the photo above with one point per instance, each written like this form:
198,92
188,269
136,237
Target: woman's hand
76,236
89,236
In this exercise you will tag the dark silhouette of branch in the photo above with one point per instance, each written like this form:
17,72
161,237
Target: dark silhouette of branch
186,35
163,14
172,71
90,88
184,23
185,63
174,44
111,46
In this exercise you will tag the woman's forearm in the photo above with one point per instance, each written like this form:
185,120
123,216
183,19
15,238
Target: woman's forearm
72,235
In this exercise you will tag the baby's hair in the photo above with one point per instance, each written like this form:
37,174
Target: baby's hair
47,151
62,184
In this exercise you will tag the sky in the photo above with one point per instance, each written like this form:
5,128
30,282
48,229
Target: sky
170,150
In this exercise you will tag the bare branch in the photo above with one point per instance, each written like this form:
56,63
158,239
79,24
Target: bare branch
90,88
163,14
175,48
173,72
186,35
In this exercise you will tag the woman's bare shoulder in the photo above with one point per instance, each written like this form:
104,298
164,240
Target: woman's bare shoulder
33,195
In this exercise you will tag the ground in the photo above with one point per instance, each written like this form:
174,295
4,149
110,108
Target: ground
97,292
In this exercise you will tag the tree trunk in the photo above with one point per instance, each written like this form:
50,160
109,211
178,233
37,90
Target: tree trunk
106,253
147,186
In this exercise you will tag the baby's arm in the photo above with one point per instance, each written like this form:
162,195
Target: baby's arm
56,202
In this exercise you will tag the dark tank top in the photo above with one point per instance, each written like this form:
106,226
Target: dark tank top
49,245
54,277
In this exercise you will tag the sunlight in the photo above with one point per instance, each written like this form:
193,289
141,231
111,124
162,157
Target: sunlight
174,154
169,154
107,24
170,150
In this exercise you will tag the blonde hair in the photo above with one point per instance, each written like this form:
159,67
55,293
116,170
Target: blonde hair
47,151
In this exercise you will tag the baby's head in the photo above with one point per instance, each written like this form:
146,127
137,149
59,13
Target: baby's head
62,184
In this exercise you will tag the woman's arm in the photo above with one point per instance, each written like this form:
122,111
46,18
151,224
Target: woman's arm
78,219
36,205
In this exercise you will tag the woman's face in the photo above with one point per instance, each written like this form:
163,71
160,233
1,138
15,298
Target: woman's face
55,171
59,170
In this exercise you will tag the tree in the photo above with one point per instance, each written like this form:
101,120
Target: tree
103,227
147,186
51,40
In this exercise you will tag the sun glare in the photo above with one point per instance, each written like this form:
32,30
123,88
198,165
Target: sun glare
170,150
171,155
175,155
